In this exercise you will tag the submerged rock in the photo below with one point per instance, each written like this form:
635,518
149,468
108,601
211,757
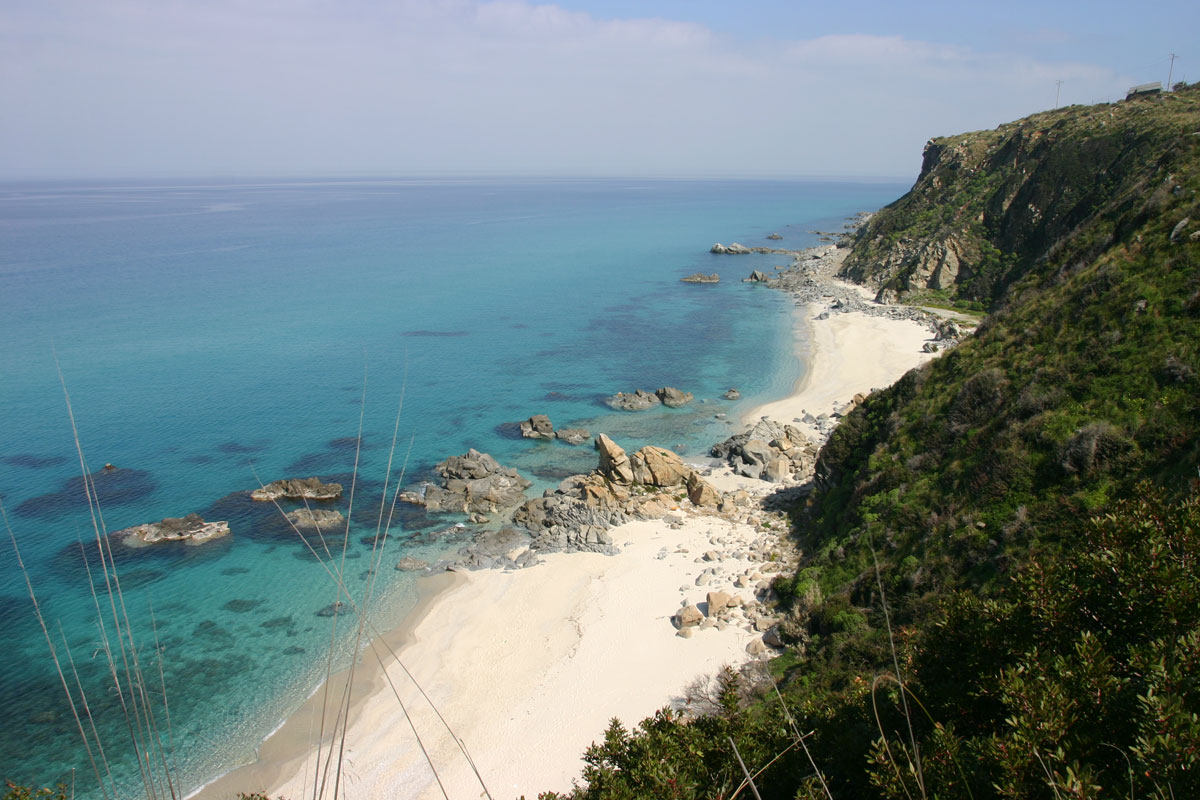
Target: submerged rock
732,394
319,518
191,529
700,277
298,489
574,436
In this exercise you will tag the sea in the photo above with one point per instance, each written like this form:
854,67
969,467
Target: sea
203,337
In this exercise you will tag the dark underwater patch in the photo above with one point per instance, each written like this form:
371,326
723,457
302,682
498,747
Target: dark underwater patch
31,461
436,333
114,487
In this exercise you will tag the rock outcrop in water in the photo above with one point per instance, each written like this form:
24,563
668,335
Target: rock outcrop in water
298,489
700,277
191,529
537,427
638,401
641,400
671,397
473,483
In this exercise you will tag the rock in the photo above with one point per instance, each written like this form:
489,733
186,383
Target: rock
319,518
712,555
701,493
763,623
757,276
929,347
334,609
657,466
298,489
772,637
734,249
778,470
638,401
732,394
475,483
537,427
410,564
672,397
685,633
756,647
1179,228
191,529
717,602
774,237
574,436
496,549
614,464
700,277
688,617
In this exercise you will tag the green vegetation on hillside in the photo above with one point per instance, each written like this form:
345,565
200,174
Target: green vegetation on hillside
999,595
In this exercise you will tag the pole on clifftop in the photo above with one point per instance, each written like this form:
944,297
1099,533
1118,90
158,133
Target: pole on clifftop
1057,91
1171,72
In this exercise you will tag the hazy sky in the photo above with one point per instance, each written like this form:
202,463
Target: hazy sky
133,88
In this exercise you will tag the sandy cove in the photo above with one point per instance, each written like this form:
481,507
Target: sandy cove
528,666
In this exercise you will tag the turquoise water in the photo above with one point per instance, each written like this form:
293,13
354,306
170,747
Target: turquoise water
214,335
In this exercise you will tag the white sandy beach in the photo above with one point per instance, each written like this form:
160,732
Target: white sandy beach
528,666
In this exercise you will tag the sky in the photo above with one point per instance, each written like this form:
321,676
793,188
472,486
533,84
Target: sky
687,88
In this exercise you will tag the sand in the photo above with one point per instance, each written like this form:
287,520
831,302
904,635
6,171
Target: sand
528,666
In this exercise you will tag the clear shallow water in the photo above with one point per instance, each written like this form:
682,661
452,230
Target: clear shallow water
209,334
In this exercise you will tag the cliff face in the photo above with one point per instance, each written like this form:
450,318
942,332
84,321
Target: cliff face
991,206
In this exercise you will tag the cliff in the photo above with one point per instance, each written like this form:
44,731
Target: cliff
998,595
991,206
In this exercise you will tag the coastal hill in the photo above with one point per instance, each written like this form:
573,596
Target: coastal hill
998,594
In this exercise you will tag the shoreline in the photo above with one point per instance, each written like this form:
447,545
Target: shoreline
528,666
286,747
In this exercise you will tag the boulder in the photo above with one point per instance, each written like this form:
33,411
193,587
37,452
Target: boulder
638,401
756,647
757,276
319,518
777,470
717,602
774,236
657,466
410,564
537,427
574,436
614,464
700,277
688,617
191,529
672,397
297,489
701,493
732,394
